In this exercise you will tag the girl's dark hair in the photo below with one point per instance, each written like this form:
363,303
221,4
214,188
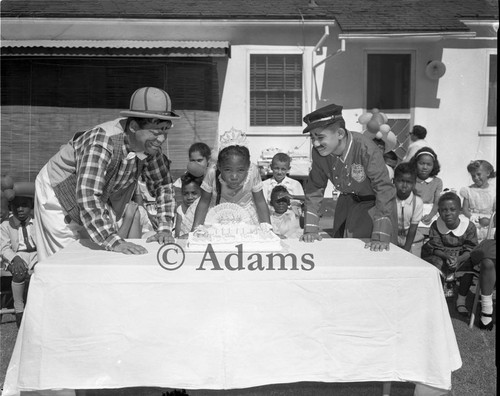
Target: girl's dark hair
201,148
427,151
405,168
475,165
188,178
450,196
224,155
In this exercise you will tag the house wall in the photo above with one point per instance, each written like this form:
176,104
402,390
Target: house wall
451,108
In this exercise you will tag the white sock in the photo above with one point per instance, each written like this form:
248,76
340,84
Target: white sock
486,308
18,295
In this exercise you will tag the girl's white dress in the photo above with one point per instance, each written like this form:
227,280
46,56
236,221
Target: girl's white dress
482,202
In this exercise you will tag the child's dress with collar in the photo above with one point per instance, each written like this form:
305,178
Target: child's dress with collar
454,243
366,207
482,203
429,190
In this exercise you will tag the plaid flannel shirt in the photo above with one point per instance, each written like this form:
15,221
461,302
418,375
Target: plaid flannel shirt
93,152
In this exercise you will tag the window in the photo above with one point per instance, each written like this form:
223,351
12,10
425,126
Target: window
275,90
492,92
389,81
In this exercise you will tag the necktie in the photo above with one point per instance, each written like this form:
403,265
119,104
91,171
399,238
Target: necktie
402,226
29,248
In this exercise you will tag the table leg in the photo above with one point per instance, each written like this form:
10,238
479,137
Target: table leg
386,390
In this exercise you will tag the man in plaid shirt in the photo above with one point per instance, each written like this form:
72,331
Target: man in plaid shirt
89,182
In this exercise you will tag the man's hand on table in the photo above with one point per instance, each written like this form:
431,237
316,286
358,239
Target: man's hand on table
310,237
377,246
162,238
129,248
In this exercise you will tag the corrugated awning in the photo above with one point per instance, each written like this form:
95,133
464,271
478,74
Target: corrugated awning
114,48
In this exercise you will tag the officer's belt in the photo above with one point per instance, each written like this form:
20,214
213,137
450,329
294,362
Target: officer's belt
360,198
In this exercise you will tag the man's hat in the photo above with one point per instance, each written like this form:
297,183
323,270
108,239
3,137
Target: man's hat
322,117
150,102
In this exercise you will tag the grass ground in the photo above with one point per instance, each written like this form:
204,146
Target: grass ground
476,377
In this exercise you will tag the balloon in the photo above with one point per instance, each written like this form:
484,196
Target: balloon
379,135
379,118
7,182
375,110
390,141
373,126
9,194
364,118
195,169
384,128
385,117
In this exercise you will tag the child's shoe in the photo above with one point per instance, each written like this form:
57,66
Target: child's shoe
488,326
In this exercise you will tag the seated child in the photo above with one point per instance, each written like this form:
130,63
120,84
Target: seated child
428,186
236,180
484,259
18,249
284,221
410,209
451,238
280,165
191,191
480,197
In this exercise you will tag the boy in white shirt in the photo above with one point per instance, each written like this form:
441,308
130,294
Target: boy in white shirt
280,165
410,209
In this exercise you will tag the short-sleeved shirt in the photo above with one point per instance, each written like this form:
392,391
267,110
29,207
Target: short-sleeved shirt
407,214
293,187
413,148
243,196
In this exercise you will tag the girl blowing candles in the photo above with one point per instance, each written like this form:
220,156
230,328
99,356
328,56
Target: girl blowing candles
236,180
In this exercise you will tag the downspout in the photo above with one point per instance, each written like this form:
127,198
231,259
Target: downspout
314,86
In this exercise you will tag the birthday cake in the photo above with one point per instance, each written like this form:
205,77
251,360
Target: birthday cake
228,225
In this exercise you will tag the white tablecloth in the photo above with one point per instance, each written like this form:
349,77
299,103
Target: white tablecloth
98,319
